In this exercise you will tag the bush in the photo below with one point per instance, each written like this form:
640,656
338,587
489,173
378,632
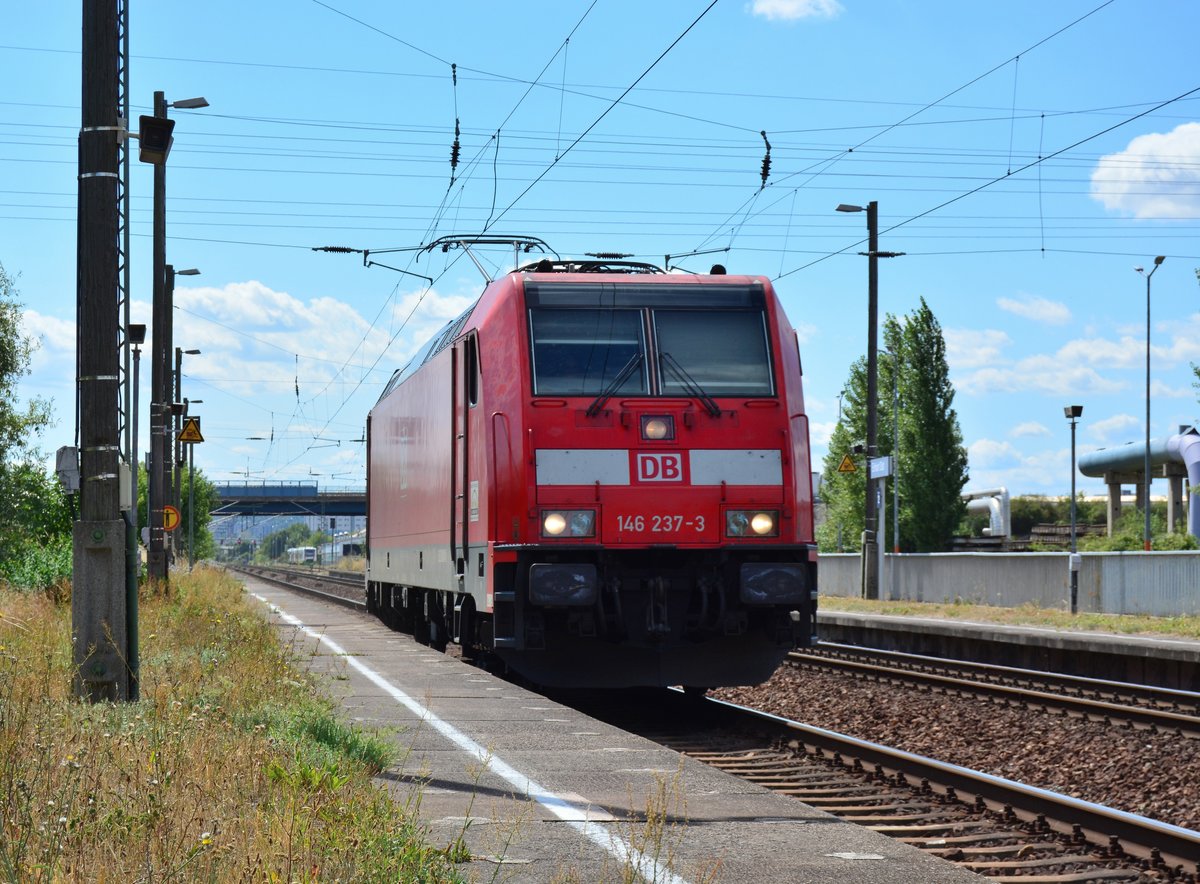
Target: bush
36,567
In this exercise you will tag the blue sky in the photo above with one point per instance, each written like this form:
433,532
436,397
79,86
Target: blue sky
331,123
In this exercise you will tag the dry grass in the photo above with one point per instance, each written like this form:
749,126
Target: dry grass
1027,615
226,769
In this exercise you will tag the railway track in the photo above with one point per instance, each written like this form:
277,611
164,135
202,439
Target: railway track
1004,831
1159,709
338,589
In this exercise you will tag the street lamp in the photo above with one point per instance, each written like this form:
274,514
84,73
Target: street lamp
1072,414
870,577
154,140
1146,535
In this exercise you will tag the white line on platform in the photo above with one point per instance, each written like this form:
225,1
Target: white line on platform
576,815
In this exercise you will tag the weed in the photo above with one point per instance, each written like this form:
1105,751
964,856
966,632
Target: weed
226,769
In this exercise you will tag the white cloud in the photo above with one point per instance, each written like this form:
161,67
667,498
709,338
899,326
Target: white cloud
1038,309
51,332
792,10
1155,176
1000,464
969,348
1030,428
1040,374
819,433
1118,426
988,453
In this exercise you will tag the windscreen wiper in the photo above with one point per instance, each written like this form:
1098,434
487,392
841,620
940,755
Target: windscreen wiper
615,384
689,384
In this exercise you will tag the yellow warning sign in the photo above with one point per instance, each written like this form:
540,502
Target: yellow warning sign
170,518
847,465
191,430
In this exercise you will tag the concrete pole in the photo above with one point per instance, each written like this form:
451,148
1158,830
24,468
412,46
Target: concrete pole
870,518
98,602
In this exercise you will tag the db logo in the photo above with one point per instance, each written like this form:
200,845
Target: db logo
660,467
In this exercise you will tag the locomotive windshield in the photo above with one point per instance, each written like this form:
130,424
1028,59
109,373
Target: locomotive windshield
581,352
646,340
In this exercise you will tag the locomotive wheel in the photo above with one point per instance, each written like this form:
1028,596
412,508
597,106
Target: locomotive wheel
467,638
416,616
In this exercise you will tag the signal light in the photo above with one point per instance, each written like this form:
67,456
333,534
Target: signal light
657,428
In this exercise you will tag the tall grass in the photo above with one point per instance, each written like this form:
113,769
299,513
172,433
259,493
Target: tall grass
226,769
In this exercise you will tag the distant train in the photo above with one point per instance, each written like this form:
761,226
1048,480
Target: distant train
299,555
598,476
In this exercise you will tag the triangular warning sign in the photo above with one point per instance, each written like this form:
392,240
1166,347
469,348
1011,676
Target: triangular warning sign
847,465
191,430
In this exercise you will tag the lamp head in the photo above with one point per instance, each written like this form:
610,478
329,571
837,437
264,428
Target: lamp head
190,103
1072,412
137,334
844,207
154,139
1159,259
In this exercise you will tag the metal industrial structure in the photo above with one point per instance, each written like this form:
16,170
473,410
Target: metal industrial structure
1173,458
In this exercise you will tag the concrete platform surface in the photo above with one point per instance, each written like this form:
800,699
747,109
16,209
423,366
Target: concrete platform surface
542,793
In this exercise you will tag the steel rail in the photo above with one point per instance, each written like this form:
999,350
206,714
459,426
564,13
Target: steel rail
1138,835
307,590
1151,693
1177,721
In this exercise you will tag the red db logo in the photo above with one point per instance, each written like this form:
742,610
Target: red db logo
660,467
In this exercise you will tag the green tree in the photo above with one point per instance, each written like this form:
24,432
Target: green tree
19,426
932,459
844,492
34,512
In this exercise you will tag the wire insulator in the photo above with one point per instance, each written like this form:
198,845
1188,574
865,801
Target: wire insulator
766,163
455,148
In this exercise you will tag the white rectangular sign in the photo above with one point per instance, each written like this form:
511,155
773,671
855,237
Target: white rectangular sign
881,467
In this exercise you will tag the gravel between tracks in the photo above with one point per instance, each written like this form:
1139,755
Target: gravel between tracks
1152,775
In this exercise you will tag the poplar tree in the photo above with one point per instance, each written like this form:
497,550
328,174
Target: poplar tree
932,462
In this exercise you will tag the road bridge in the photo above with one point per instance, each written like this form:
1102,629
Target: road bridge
267,498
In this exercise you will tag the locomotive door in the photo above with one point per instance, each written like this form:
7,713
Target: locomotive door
464,487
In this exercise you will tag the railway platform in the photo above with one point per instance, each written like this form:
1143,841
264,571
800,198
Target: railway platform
1165,662
539,792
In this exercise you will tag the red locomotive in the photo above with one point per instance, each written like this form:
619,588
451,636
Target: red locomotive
598,475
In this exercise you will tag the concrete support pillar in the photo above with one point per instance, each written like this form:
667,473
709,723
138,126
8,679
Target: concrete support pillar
1174,501
1114,503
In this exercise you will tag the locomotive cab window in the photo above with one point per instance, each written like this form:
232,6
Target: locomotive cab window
676,340
722,352
582,352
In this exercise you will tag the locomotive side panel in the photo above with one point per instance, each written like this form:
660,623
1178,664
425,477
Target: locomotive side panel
408,524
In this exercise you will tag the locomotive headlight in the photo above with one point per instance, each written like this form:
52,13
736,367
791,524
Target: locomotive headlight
751,523
762,524
569,523
658,427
